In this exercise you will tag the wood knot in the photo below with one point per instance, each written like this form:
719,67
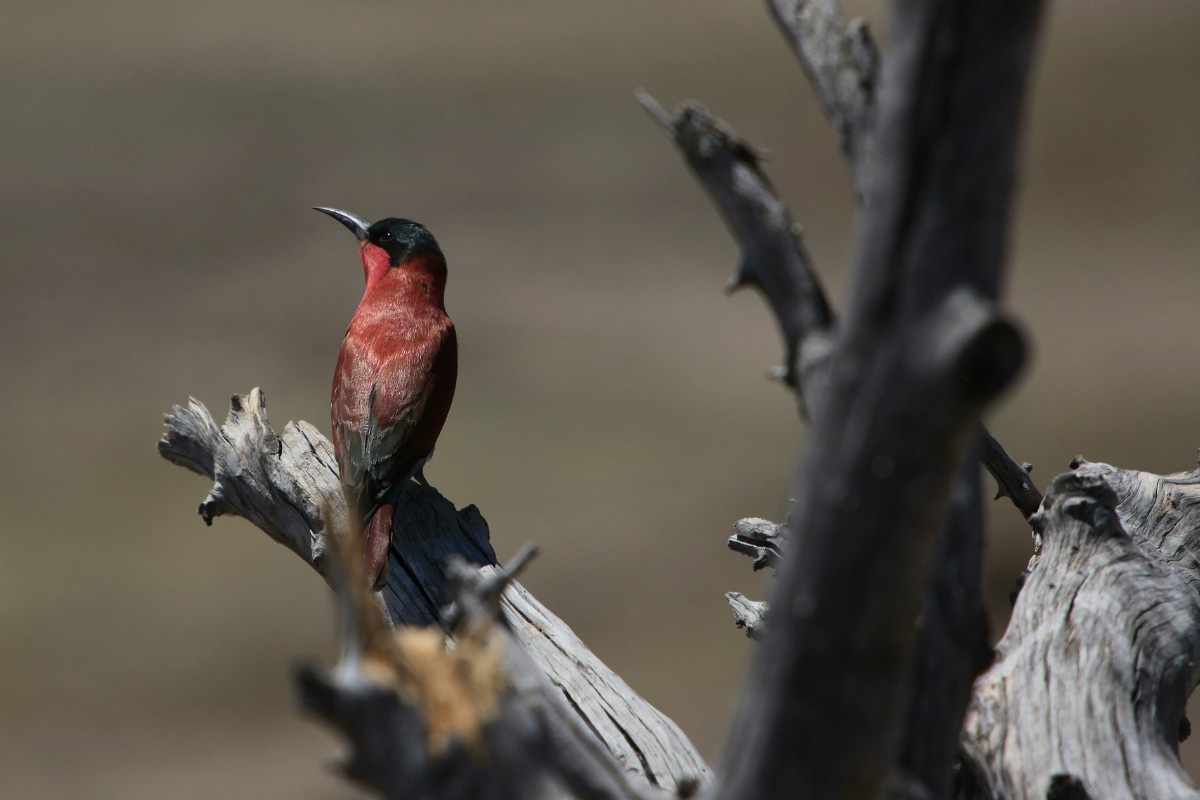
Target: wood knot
1064,786
1083,496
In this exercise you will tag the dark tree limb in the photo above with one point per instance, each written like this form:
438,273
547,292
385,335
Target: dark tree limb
287,485
1012,479
1092,676
842,64
844,609
951,646
774,259
922,350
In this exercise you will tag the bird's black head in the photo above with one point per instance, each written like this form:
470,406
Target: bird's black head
402,238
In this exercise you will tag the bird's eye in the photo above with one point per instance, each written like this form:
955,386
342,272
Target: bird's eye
386,236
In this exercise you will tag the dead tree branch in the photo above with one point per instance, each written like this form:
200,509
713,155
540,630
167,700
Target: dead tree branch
842,64
922,350
1012,478
859,685
281,483
471,718
776,262
774,259
749,615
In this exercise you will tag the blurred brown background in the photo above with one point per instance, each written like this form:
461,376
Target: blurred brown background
159,160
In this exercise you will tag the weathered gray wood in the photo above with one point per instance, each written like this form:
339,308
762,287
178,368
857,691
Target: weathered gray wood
1092,676
469,718
281,483
274,482
749,615
842,64
640,736
760,539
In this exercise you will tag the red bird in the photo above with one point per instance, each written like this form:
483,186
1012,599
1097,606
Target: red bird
395,375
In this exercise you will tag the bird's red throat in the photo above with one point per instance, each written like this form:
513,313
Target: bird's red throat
375,262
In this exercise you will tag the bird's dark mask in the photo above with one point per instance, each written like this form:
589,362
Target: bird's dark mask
401,239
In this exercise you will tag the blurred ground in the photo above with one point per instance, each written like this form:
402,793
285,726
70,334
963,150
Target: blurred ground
158,164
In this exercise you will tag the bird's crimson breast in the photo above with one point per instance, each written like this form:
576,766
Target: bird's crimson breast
392,390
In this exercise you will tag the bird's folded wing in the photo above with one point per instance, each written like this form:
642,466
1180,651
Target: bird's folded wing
376,413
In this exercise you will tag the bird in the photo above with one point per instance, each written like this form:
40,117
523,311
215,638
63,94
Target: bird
395,376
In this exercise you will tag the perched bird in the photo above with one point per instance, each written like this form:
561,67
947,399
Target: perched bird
395,374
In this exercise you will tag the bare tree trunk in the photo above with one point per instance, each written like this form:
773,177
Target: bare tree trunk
932,128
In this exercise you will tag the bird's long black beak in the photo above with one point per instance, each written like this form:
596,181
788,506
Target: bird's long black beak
357,225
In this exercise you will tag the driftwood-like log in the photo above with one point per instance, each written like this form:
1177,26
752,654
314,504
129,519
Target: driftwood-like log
1091,679
281,483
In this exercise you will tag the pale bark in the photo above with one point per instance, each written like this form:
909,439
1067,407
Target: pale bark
282,482
1091,679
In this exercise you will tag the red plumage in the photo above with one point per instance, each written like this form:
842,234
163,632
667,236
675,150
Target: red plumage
395,376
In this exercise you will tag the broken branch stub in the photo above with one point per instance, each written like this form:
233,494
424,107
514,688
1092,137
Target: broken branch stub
278,483
760,539
471,717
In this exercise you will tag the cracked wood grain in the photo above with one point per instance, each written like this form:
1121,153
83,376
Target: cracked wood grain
457,714
1092,677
